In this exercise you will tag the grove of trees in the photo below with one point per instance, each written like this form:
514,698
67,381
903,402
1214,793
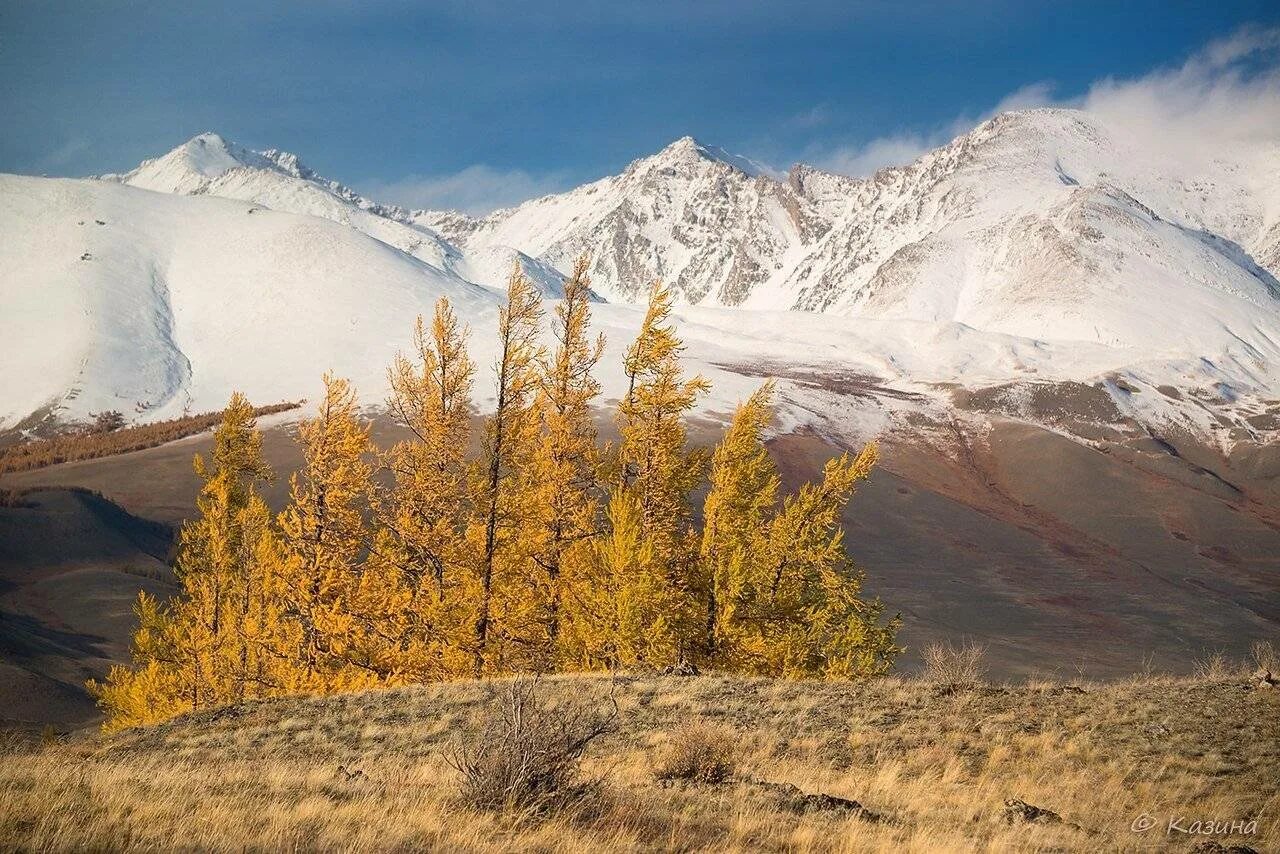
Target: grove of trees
545,551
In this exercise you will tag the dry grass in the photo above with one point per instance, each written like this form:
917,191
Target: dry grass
933,766
1214,666
105,438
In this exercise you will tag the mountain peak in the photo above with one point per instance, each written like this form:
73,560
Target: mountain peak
209,154
210,139
689,151
685,146
206,156
1031,126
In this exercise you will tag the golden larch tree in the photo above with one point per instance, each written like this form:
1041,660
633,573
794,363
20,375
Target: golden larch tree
656,466
562,477
510,433
421,547
203,648
324,535
741,498
804,615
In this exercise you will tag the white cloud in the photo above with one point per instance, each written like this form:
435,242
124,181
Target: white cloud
1226,93
475,190
860,160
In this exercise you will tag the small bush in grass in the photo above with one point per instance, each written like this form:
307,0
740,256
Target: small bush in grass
527,755
1214,666
1265,658
698,753
955,665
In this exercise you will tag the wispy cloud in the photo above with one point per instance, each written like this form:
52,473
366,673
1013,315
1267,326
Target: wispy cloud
1228,92
475,190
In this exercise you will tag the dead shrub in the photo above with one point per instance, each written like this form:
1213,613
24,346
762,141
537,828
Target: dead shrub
527,756
1214,667
955,665
1264,656
106,422
698,753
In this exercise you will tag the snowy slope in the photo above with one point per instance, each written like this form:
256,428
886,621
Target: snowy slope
1041,223
1045,225
208,164
153,304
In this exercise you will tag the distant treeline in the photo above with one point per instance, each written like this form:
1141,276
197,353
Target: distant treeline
96,442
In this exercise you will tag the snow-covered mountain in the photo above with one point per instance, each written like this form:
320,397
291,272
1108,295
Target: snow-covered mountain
1043,247
1041,223
209,165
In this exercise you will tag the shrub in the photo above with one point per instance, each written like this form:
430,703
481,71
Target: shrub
106,422
955,665
1265,658
1214,667
698,753
528,753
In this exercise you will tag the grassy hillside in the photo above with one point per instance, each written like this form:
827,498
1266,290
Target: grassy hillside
932,766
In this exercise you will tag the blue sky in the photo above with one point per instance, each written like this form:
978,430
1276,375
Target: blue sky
474,104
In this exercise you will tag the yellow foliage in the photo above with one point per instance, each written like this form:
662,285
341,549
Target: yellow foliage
545,552
743,490
324,534
804,616
203,648
561,480
661,472
503,614
420,559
